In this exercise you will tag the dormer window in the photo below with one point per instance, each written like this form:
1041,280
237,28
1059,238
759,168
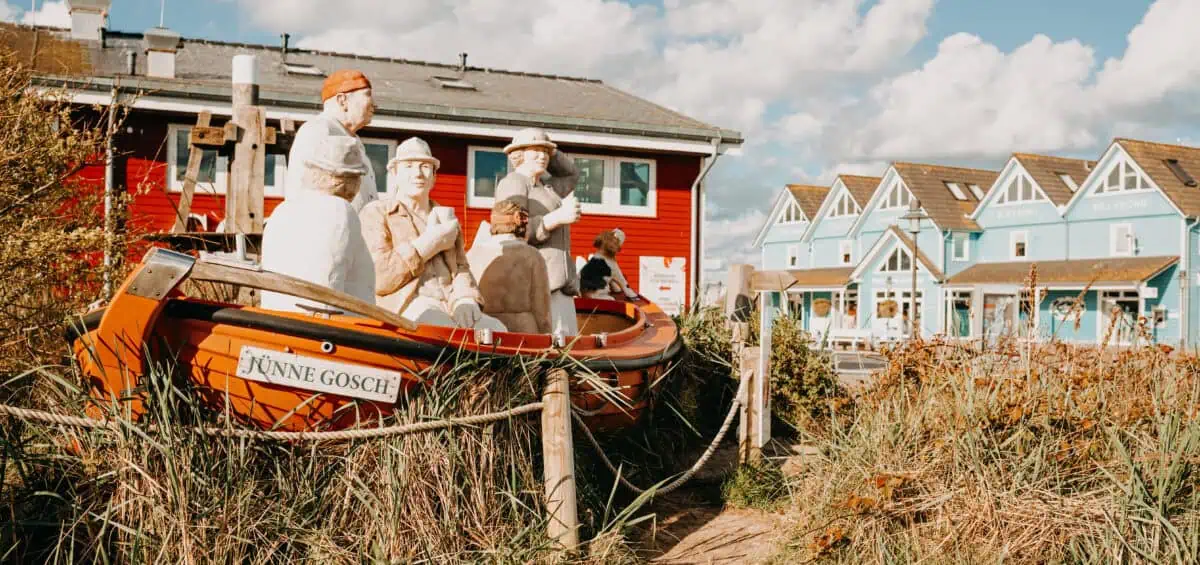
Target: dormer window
844,206
897,197
1020,189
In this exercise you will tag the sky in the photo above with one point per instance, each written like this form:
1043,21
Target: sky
817,87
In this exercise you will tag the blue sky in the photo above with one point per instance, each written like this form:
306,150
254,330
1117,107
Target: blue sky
817,86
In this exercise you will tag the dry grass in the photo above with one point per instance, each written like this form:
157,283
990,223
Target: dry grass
1025,454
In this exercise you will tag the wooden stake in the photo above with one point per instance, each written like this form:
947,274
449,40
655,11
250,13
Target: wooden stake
244,200
558,458
195,156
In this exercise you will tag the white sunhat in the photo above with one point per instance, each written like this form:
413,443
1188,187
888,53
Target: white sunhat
414,149
338,154
531,137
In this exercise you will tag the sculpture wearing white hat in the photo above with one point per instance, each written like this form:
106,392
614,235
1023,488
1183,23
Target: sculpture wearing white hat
421,269
543,183
315,234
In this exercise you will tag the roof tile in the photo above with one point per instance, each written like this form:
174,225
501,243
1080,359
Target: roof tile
1100,271
928,184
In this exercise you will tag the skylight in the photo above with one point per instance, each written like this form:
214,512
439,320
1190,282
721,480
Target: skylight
453,82
957,190
978,192
1067,180
1179,172
303,69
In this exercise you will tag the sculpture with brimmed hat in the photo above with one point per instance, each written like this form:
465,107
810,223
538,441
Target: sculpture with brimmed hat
421,269
315,233
348,104
542,183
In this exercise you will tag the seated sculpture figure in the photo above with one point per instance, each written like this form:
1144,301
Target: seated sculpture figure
421,269
608,245
511,273
315,234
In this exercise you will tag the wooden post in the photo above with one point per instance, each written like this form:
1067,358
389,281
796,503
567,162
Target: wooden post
195,156
752,363
244,199
558,458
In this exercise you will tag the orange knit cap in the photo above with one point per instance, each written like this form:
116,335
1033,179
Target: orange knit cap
343,81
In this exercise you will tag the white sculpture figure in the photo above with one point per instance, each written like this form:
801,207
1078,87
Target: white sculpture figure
421,269
349,106
608,244
315,234
543,183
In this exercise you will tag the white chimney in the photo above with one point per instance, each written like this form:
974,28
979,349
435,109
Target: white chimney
161,46
88,17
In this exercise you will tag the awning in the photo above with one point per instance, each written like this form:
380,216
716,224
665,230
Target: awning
799,279
1105,271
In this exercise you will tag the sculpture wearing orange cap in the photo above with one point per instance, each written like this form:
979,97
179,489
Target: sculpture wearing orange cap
349,106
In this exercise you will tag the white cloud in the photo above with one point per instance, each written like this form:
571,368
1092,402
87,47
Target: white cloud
52,14
727,241
1160,61
8,13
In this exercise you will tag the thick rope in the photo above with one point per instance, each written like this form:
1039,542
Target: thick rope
364,433
699,464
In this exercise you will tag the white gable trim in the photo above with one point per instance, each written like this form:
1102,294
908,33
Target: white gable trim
826,204
886,242
873,203
781,202
1100,171
1007,175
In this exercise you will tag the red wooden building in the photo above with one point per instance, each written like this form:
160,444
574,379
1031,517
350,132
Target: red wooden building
643,165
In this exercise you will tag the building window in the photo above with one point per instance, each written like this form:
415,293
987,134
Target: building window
978,192
958,314
485,167
896,197
846,251
790,215
1018,243
1020,189
1119,311
844,206
379,152
214,168
1122,177
899,261
793,256
1067,180
961,244
1121,241
956,190
903,305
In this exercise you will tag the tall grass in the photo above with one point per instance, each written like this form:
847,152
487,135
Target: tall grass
1039,453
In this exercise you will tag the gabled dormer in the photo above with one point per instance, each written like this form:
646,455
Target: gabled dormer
790,216
826,237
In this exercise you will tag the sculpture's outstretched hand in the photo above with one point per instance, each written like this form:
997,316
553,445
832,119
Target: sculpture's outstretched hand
566,214
467,314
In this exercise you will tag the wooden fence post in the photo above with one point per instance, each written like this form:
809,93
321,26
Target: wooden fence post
558,458
754,421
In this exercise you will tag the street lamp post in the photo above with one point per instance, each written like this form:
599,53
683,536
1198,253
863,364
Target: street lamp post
914,217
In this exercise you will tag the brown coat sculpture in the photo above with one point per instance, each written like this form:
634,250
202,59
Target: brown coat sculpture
513,284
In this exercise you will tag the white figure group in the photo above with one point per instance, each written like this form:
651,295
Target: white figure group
406,253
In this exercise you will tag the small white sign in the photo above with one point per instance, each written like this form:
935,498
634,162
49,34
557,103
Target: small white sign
1149,292
663,281
310,373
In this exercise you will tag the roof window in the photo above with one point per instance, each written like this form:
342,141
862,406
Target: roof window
1179,172
1067,180
978,192
303,69
453,83
957,190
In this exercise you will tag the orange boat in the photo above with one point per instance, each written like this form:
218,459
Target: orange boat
336,367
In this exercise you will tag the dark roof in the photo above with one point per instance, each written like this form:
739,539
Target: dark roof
402,87
928,184
778,281
1045,170
1102,271
1152,157
860,187
809,197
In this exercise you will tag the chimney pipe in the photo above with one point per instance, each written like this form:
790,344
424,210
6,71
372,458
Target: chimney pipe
283,52
131,62
462,62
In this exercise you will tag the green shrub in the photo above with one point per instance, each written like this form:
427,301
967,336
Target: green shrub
802,378
761,487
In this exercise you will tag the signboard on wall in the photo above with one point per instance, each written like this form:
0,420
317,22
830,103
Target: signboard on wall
663,281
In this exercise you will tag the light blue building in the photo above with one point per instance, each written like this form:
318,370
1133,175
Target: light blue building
1106,247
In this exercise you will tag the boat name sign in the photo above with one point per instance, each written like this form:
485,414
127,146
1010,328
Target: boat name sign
321,375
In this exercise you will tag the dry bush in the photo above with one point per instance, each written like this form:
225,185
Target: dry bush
51,220
1025,454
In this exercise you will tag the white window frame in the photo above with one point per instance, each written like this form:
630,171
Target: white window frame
1114,238
901,194
791,214
951,297
1125,169
1021,236
903,251
220,184
480,201
965,240
391,145
793,256
1026,191
978,192
845,200
1070,182
956,190
846,252
1105,314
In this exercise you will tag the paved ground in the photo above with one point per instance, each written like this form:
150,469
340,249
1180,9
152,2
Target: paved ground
854,368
